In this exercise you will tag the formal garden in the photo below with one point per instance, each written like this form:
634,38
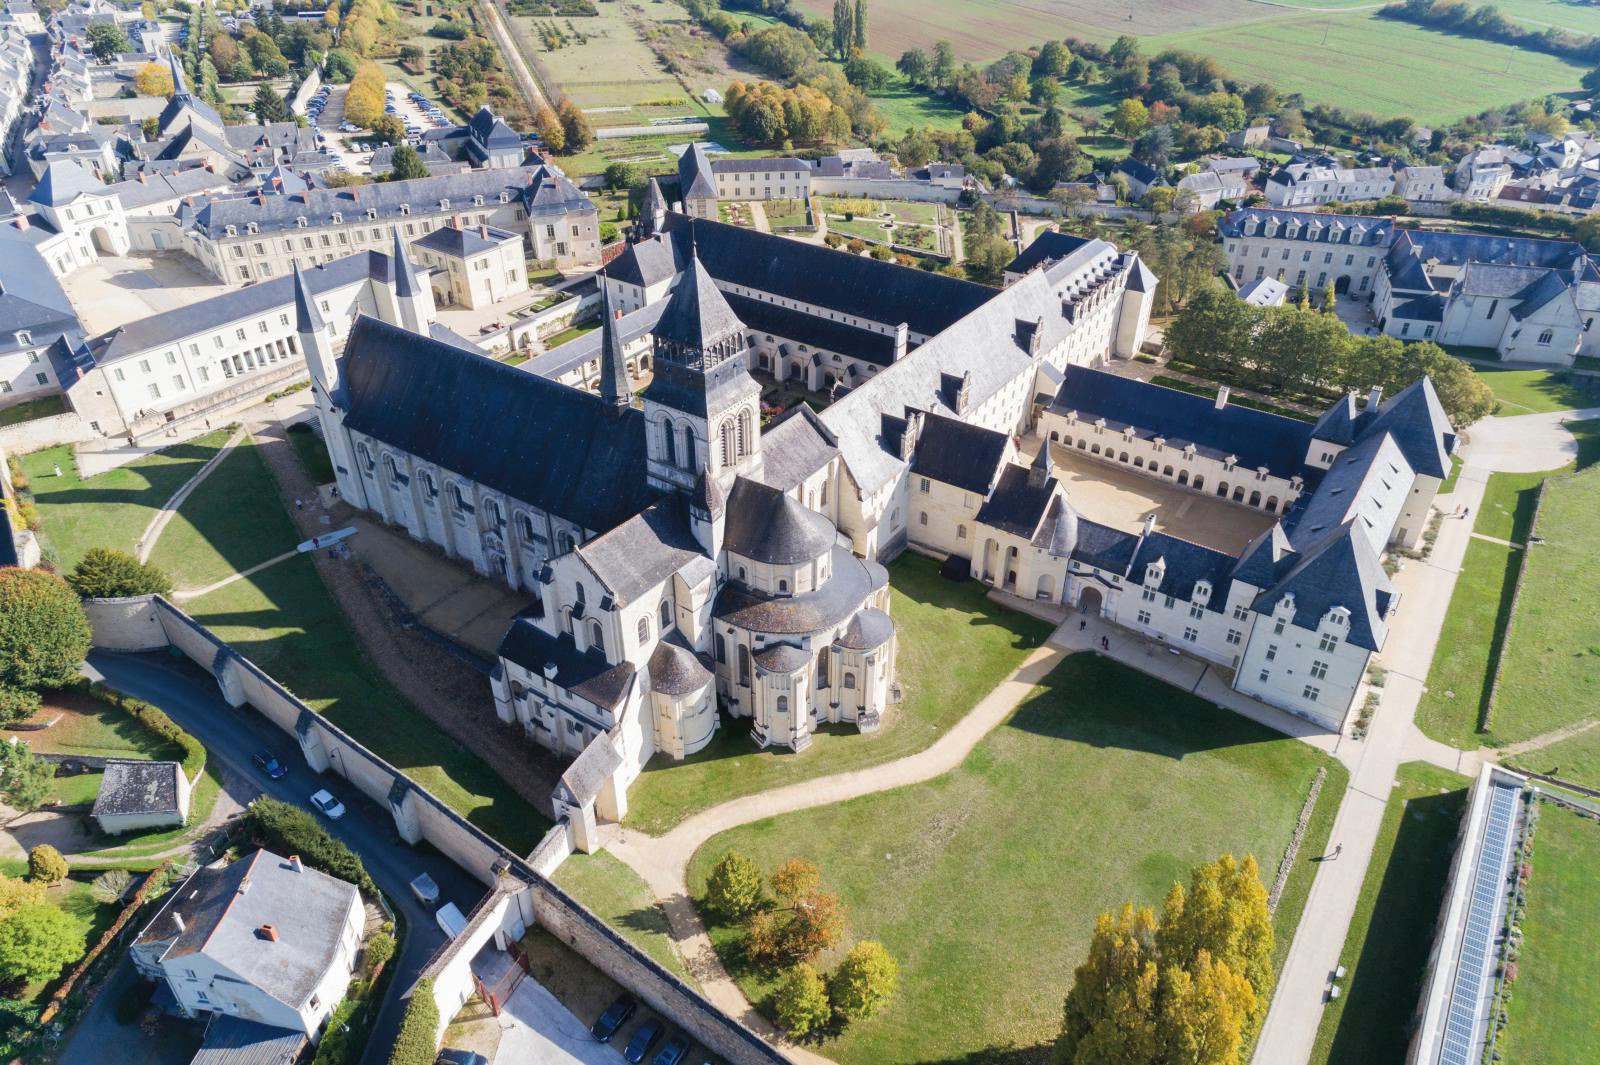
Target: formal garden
1105,786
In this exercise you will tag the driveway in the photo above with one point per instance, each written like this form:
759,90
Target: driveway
231,736
122,288
535,1026
1526,443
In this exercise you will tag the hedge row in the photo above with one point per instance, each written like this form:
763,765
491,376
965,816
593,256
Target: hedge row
419,1028
156,720
288,829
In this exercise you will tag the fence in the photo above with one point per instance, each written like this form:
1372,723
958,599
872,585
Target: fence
520,893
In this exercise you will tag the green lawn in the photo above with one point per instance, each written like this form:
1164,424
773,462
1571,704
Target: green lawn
1474,630
1449,484
905,108
1535,391
313,454
83,725
571,333
1575,758
81,789
110,510
932,616
1557,991
30,409
1553,650
1386,950
1105,786
226,526
785,214
617,895
139,847
1507,508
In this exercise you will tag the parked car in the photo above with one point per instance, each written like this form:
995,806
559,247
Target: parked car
331,808
451,919
673,1051
424,888
448,1056
615,1016
644,1037
268,763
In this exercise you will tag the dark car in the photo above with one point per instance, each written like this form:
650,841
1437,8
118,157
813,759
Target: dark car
615,1016
644,1037
268,763
673,1051
460,1057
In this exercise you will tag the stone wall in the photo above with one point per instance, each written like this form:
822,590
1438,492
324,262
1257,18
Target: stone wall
25,437
882,189
521,894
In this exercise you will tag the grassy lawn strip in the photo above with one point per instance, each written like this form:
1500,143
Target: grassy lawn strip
30,409
313,455
226,525
1474,629
933,616
1386,950
1534,391
110,510
617,895
1553,651
1507,508
1552,1011
1105,786
84,725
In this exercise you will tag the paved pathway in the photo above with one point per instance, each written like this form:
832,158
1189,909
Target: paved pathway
1497,540
1527,443
195,593
169,509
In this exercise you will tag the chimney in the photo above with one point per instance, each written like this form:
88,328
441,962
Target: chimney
1374,397
902,338
483,231
22,222
268,932
1223,392
549,671
455,222
296,864
143,180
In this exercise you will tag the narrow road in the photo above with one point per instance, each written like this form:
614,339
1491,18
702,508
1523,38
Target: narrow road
231,737
495,15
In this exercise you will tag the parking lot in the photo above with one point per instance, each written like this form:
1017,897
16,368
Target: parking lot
353,146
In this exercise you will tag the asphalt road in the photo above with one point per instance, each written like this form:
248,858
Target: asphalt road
191,698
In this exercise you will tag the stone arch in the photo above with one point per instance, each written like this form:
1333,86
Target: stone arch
1091,600
1183,477
1272,504
1046,589
1255,498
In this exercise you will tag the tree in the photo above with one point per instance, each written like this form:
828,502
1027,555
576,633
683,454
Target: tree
1215,332
843,28
913,63
801,1001
407,164
153,79
867,73
864,982
230,60
575,124
389,129
944,64
340,65
860,39
1123,50
25,778
795,879
35,942
16,892
106,40
269,106
17,704
814,924
733,889
111,886
43,632
548,126
46,865
1130,118
621,176
106,573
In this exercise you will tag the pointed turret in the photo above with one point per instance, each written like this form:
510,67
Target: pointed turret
408,291
307,319
615,388
1043,466
698,328
708,514
312,334
180,85
655,208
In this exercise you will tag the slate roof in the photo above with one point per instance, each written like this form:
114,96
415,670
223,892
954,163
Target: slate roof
491,131
591,769
697,315
1344,489
224,907
1186,564
236,1041
1417,421
959,453
675,668
534,439
643,551
585,674
1337,425
130,788
869,629
1018,503
781,658
787,323
694,173
1339,570
765,525
64,181
466,241
1105,548
783,164
815,611
31,299
1264,292
1360,230
794,447
586,348
1255,437
1046,247
1141,172
158,188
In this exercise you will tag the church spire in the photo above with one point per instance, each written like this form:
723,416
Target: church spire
408,293
1043,467
405,281
307,319
614,386
180,86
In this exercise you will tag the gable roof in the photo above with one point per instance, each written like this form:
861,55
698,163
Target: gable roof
534,439
130,787
643,551
766,525
959,453
1046,247
64,181
1339,570
1420,427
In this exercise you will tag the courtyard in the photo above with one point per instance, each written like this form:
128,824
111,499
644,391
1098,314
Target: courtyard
126,288
1104,786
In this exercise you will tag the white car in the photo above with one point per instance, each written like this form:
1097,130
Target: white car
331,808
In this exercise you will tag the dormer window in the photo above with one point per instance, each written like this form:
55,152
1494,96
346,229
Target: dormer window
251,228
477,201
405,208
301,221
372,214
444,204
24,337
1202,591
233,231
1154,572
338,218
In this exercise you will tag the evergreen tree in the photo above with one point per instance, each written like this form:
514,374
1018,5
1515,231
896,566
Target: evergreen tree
25,778
843,28
407,164
269,106
861,27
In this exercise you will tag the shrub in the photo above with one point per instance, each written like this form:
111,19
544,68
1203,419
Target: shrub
105,573
16,893
801,1001
379,951
35,942
17,703
864,982
110,886
46,865
734,888
25,778
416,1043
43,632
156,720
340,1044
290,830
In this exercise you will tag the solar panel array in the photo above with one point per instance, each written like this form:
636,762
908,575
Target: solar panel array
1462,1030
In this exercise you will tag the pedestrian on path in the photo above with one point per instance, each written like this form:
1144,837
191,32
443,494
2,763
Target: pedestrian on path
1083,623
1338,850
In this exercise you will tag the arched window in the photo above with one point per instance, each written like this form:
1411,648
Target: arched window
722,649
783,586
666,615
566,543
744,433
644,630
458,501
822,667
783,704
577,596
496,516
597,637
366,455
430,486
688,446
725,439
849,680
669,438
822,500
744,665
525,526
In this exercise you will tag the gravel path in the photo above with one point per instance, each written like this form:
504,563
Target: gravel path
169,509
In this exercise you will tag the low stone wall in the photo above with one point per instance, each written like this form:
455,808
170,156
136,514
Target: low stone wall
521,891
884,189
40,433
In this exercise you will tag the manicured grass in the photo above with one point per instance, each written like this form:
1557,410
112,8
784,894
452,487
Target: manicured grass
78,790
1474,630
1103,787
225,526
1535,391
86,726
313,454
617,895
1386,950
110,510
1449,484
1507,508
572,333
145,845
1557,991
30,409
934,618
1575,758
1553,649
785,214
905,108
